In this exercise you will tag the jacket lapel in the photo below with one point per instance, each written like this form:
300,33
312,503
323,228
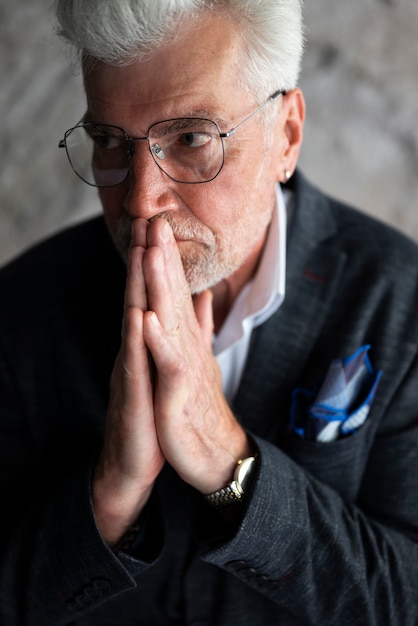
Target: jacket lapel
281,347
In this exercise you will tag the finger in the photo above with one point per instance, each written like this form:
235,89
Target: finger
139,230
131,457
135,373
169,292
161,235
135,290
204,314
161,296
171,365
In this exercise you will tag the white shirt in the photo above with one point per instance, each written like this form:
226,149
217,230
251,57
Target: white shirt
258,300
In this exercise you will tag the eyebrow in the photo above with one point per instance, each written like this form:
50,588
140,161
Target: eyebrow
88,119
197,114
208,115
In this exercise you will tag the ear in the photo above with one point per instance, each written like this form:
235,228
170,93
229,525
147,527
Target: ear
290,120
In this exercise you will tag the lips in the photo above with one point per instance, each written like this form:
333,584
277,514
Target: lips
191,240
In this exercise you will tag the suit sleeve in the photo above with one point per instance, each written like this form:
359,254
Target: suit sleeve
324,554
54,564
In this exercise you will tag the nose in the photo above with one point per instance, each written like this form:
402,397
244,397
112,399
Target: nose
148,190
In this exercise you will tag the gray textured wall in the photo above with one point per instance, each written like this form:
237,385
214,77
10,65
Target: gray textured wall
361,140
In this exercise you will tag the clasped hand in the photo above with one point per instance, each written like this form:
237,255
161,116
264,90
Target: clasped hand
166,400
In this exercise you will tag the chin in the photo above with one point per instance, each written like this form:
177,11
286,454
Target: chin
202,276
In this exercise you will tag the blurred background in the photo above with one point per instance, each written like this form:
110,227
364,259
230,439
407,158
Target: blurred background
360,81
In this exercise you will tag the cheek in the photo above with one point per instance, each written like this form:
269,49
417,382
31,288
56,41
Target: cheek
209,203
240,191
250,195
223,204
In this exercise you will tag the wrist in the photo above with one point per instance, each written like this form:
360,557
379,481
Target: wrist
116,510
236,491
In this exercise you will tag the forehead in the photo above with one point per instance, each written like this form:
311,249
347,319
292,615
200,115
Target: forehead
199,71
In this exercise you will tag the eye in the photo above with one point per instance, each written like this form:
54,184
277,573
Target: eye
105,139
107,142
194,139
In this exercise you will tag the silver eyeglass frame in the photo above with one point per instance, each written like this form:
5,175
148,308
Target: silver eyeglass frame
154,151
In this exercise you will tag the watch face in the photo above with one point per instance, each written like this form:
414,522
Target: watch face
243,471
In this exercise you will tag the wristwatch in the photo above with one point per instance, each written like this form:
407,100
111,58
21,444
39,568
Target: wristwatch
236,490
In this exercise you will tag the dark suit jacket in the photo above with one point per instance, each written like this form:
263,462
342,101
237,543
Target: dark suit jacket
329,533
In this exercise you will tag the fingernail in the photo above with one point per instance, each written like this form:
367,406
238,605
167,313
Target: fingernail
153,319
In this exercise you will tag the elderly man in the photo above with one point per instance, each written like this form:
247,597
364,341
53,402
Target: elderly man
251,463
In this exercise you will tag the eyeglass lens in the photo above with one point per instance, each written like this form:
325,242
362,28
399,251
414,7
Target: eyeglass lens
188,150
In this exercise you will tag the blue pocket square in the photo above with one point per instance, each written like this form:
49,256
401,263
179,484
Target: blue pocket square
343,402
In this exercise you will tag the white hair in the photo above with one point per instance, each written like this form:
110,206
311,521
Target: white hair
119,31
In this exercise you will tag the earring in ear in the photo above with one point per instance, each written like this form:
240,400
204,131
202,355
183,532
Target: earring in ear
287,174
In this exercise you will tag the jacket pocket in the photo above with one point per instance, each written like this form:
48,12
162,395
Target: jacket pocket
339,464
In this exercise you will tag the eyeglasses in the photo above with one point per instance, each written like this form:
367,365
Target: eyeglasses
188,150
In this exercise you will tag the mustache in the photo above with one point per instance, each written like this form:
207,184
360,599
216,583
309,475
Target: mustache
187,228
183,228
